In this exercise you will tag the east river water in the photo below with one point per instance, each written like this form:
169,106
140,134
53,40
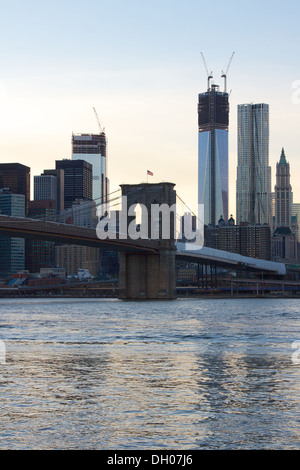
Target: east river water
183,374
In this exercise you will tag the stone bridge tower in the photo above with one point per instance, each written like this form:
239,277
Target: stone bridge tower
150,275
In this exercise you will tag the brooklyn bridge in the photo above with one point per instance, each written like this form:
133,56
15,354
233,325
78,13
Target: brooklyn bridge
146,265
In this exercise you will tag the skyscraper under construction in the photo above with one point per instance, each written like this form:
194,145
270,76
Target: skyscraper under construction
213,120
92,148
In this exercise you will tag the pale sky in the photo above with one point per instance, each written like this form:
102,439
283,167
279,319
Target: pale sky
139,64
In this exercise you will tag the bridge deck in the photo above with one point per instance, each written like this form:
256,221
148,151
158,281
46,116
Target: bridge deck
64,233
69,234
229,260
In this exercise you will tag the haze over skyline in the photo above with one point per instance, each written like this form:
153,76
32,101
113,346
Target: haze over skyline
139,64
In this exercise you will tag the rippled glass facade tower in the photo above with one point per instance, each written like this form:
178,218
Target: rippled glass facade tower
213,118
253,184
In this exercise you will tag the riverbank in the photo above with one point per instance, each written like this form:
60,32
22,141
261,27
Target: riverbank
235,288
114,295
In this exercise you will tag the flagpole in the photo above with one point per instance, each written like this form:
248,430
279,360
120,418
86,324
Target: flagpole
149,173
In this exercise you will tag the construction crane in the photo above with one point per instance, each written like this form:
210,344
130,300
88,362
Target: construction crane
209,75
224,74
98,120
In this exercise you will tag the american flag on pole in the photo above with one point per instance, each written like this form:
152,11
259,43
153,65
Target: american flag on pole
149,173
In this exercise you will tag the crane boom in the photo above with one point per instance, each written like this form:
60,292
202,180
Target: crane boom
97,117
209,75
229,62
224,74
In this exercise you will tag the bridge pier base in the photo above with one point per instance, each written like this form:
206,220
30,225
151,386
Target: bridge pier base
147,275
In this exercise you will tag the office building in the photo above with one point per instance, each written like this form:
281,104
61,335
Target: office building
72,258
78,183
12,250
256,241
40,253
283,193
92,148
248,240
213,118
284,239
296,218
42,209
253,185
45,187
80,210
48,201
16,177
59,174
284,245
82,213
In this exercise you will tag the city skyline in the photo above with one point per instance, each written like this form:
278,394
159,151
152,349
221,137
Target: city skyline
143,72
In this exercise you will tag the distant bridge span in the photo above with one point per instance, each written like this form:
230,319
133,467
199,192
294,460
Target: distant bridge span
229,260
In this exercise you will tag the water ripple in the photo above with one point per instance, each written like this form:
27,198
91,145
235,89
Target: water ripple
208,374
